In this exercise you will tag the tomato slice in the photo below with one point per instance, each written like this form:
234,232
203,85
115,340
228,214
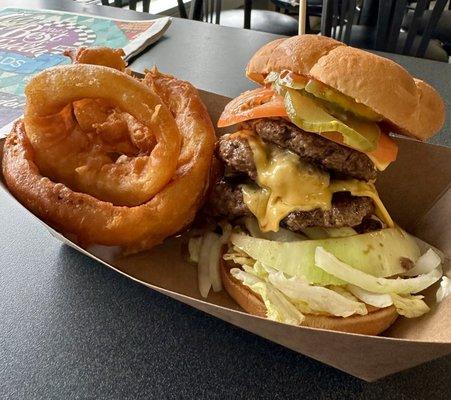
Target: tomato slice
265,103
258,103
385,153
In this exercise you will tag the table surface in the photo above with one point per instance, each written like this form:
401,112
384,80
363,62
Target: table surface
71,328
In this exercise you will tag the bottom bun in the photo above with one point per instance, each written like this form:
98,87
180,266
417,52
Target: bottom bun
376,321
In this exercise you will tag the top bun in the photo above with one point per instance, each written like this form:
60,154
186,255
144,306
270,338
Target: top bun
412,106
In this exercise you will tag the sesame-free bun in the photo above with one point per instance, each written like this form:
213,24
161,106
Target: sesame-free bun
376,321
411,106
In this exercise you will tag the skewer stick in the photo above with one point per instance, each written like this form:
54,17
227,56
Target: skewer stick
302,16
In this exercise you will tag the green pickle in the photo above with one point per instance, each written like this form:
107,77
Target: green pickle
344,102
308,115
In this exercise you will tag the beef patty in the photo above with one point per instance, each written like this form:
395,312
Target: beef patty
237,154
226,201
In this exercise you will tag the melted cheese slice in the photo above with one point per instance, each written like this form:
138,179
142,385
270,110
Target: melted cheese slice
286,184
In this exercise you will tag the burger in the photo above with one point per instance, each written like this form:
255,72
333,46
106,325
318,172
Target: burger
303,236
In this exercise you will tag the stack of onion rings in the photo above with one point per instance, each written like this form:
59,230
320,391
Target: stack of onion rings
130,192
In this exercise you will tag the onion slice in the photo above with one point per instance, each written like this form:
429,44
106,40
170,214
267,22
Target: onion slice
380,300
331,264
203,270
214,260
444,290
425,264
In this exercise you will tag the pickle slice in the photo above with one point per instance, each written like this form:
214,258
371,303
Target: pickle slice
344,102
287,79
304,112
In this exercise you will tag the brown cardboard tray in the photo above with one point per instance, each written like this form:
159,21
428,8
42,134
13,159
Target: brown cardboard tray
415,190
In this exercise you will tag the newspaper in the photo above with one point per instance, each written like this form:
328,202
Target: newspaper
33,40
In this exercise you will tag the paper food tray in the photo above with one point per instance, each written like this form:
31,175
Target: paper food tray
415,190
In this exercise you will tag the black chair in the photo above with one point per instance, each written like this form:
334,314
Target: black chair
130,3
314,9
259,20
340,18
146,3
391,38
441,30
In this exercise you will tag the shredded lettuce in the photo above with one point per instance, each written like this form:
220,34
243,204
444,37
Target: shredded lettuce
444,289
376,253
206,252
337,275
426,263
424,247
331,264
409,306
238,257
308,298
246,278
317,298
203,269
258,270
278,308
343,291
214,259
194,246
373,299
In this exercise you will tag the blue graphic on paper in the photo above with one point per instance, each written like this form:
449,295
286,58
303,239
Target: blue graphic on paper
20,64
33,40
11,106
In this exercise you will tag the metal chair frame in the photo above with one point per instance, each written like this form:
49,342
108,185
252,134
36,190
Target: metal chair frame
391,15
131,4
146,4
338,18
209,10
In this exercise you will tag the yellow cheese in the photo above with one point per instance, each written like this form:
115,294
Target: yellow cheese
364,189
286,184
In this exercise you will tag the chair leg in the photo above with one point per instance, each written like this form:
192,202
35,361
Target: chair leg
182,9
247,14
195,11
218,11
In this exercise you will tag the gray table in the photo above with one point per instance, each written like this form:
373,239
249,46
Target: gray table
70,328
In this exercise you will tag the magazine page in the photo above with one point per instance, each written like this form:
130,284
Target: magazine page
33,40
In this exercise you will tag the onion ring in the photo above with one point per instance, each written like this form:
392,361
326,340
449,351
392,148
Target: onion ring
91,219
111,124
105,56
114,128
131,181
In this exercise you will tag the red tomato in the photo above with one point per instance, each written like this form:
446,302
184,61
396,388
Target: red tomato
259,103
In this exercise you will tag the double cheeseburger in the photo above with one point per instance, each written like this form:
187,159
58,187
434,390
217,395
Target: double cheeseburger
312,243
